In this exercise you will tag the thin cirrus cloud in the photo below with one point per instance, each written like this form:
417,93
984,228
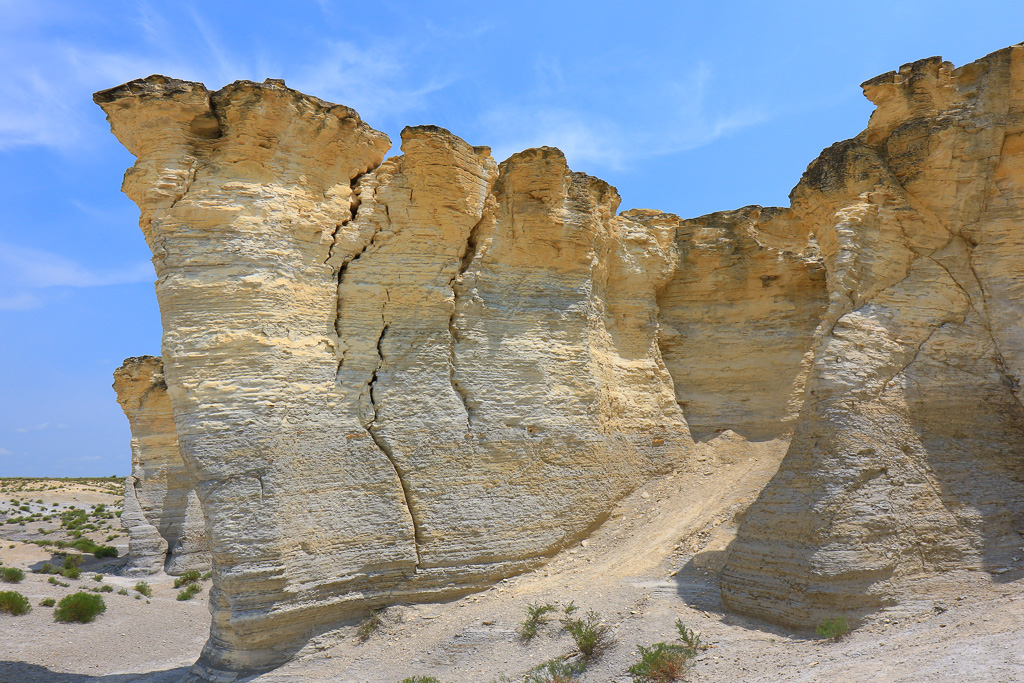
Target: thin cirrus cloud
28,272
675,119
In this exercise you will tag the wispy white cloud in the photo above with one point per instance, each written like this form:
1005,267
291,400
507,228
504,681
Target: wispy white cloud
4,451
675,118
26,272
37,268
373,81
33,428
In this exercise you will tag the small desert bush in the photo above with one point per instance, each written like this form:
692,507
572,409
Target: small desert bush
420,679
97,577
70,572
189,591
106,588
79,607
556,670
56,582
14,603
371,624
591,636
105,551
47,602
833,629
144,588
666,662
46,568
187,578
12,575
536,615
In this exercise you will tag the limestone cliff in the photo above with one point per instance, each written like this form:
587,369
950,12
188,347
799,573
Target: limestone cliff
397,380
166,530
908,455
392,381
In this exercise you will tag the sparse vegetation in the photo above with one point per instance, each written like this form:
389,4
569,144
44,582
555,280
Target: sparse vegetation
833,629
371,624
666,662
14,603
557,670
536,615
144,588
47,602
591,636
187,578
12,575
420,679
79,607
189,591
53,580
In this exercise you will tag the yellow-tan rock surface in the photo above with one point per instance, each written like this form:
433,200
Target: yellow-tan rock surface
166,529
908,455
398,380
393,381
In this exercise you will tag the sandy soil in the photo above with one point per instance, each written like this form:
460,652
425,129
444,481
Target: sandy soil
653,562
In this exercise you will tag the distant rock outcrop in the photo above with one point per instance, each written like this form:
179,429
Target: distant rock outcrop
406,379
161,512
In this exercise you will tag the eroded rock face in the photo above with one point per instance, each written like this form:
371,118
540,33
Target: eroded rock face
737,319
166,530
908,455
401,380
393,381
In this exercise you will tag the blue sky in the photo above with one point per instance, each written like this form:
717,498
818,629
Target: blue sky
685,107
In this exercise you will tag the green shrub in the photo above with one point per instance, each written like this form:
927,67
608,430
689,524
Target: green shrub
71,560
122,591
555,670
79,607
420,679
591,636
71,572
47,602
189,591
53,580
14,603
105,551
665,662
185,579
536,614
12,575
47,568
833,629
144,588
106,588
373,621
97,577
660,663
207,575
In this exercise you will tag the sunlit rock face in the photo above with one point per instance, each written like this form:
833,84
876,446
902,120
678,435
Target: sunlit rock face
166,530
908,455
399,380
392,380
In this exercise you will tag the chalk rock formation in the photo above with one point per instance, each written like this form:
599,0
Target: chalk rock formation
166,530
392,381
400,380
908,455
737,319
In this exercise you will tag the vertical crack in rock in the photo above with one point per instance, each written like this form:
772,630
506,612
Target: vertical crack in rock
371,428
468,254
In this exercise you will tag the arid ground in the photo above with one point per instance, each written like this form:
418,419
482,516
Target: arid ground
654,561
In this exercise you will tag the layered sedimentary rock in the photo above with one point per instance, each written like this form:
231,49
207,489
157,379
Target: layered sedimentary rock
400,380
908,455
166,530
392,381
737,319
